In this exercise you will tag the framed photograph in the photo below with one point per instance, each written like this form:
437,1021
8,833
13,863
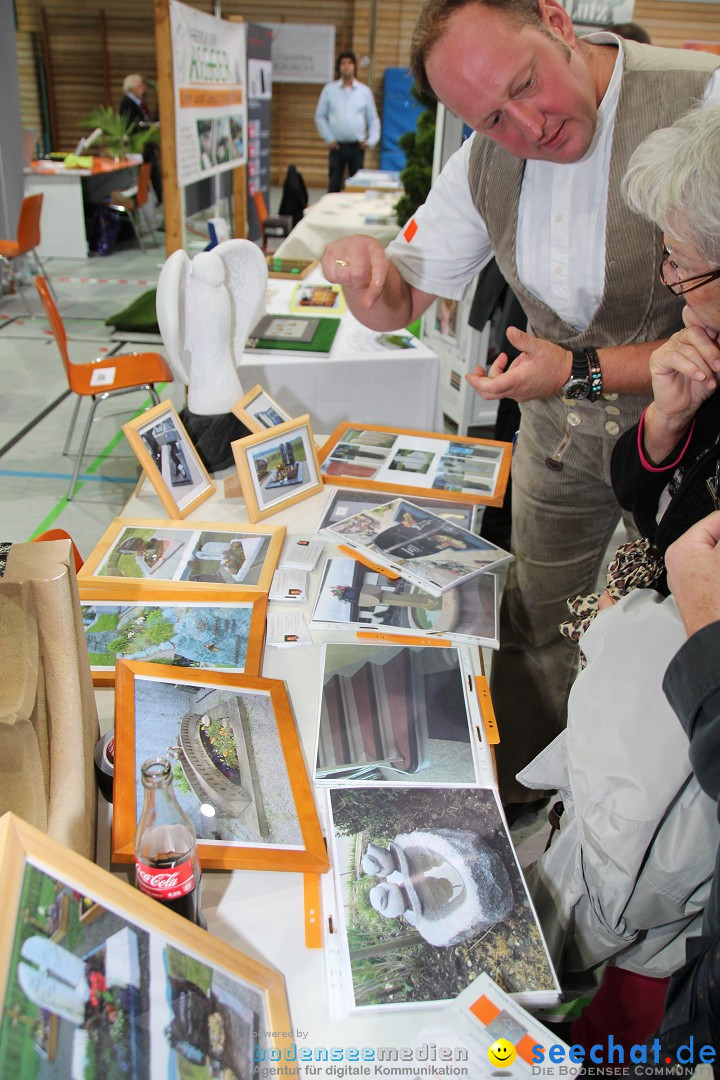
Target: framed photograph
167,455
134,991
400,714
344,502
453,469
208,554
277,468
188,629
258,411
317,299
238,769
354,597
431,895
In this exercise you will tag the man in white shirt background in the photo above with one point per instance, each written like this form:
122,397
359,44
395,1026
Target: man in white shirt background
347,120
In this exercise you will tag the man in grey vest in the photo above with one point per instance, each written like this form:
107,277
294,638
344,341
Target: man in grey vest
539,186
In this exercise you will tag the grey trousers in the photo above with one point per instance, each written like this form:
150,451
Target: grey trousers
562,522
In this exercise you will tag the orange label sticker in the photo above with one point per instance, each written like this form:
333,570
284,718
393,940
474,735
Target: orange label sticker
410,229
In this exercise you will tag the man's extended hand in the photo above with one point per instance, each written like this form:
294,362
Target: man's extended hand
693,565
540,370
360,265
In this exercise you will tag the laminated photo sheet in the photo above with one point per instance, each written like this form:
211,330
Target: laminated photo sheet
427,895
344,502
417,544
400,714
415,462
353,597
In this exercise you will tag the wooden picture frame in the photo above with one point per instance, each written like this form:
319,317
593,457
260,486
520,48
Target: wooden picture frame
244,726
189,553
236,632
168,457
263,468
342,463
256,408
134,949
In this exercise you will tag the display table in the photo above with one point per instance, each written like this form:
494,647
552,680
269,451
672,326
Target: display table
66,192
340,214
375,180
359,379
262,913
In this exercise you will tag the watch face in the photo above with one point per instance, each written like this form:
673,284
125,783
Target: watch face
575,389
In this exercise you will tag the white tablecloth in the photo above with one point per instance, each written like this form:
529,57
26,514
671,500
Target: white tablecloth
262,913
341,214
359,380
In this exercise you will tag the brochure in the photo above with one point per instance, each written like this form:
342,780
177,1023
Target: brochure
317,300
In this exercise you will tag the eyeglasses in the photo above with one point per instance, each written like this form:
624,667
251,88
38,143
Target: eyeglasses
686,284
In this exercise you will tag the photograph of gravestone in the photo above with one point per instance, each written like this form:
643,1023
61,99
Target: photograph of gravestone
394,713
166,448
352,596
180,634
229,770
432,896
91,995
280,466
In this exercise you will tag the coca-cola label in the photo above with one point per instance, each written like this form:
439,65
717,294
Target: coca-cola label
165,884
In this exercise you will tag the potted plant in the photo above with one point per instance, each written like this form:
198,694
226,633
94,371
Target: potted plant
120,136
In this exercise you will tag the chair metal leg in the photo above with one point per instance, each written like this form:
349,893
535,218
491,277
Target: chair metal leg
81,451
148,222
136,230
76,407
42,271
154,394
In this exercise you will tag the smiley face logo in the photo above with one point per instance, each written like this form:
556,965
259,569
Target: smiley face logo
501,1054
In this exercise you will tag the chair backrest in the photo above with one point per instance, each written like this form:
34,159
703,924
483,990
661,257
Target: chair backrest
260,206
56,323
28,234
143,184
60,534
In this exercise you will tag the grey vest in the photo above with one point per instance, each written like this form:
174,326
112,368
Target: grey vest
658,86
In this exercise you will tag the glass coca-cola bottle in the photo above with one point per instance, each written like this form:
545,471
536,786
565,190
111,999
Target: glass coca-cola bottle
166,861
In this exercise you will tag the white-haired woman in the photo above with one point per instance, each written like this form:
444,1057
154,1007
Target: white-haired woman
627,878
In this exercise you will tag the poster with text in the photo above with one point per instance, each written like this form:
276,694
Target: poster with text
210,99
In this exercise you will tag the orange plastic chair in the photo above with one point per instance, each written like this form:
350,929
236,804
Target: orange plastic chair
274,229
60,534
133,211
28,234
126,372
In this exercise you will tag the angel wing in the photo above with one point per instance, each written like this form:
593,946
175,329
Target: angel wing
246,279
170,305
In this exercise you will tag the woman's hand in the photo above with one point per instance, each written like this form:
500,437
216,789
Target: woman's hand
685,372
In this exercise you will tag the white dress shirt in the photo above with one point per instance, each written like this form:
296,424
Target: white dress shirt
347,114
561,222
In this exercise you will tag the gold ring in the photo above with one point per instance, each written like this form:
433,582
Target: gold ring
341,262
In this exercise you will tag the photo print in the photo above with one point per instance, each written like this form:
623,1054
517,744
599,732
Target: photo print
353,597
258,411
229,771
404,462
344,502
93,994
432,896
277,467
394,714
176,633
166,453
418,544
157,551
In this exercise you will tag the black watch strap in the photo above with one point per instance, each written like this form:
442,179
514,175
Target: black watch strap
586,365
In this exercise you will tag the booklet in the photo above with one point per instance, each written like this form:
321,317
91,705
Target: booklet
416,544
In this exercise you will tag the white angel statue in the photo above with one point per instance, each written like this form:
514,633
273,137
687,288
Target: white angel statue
205,310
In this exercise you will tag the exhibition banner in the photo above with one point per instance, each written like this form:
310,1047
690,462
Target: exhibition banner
210,100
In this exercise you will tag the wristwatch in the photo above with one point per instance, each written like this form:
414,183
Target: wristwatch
585,380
